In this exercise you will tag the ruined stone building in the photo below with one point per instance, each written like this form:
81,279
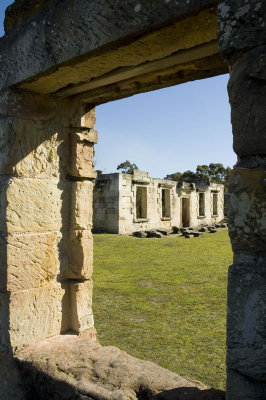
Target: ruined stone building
58,60
124,203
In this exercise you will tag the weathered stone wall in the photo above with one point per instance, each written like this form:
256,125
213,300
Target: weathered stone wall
106,204
242,40
196,220
115,203
128,220
45,221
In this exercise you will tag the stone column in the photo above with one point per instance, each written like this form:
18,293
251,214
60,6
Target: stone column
79,239
242,41
45,218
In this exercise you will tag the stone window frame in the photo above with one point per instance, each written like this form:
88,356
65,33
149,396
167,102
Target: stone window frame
216,193
142,185
166,217
201,216
169,186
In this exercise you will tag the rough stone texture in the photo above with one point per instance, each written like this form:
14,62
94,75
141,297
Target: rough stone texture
78,245
44,220
83,116
247,94
247,211
31,149
75,368
181,49
82,153
20,10
81,306
34,314
246,350
241,387
33,205
241,26
81,201
28,260
115,204
96,21
242,40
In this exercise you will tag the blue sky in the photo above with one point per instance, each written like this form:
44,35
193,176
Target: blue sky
165,131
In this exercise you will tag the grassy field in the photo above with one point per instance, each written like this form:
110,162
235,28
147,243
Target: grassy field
164,300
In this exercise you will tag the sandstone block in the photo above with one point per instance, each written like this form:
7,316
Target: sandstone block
28,261
31,150
83,116
34,314
81,306
33,205
82,153
78,368
78,246
85,135
81,205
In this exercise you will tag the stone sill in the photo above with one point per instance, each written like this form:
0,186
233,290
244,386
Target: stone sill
137,220
214,215
201,216
166,218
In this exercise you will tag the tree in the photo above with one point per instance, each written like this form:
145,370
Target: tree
214,172
177,176
127,167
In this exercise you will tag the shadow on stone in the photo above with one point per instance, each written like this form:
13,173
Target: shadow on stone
190,393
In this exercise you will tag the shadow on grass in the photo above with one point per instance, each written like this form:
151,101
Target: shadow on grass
190,393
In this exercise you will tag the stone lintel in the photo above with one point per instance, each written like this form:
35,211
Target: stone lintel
99,53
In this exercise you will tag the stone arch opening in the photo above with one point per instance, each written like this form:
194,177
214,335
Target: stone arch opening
114,126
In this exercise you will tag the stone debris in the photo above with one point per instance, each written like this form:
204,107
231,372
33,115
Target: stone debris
192,234
154,234
187,232
175,229
197,234
164,232
140,234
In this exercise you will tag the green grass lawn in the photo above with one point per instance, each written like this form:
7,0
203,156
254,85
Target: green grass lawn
164,300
